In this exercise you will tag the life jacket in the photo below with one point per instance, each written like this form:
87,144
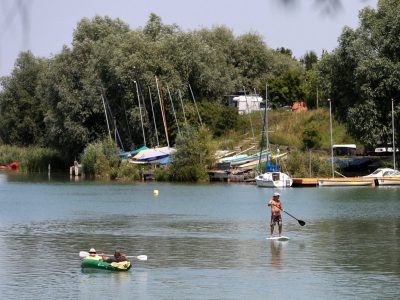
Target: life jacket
96,257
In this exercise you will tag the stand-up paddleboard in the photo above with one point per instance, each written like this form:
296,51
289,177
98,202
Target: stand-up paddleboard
278,238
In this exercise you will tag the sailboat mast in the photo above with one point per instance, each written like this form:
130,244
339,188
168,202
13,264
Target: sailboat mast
266,117
173,109
183,108
154,118
105,112
255,94
249,112
265,121
195,104
393,142
330,124
160,98
140,110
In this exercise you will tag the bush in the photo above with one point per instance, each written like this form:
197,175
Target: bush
162,174
195,154
100,159
311,138
129,171
219,118
298,165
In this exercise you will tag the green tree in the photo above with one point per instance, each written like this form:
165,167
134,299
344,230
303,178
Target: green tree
286,88
155,29
194,155
72,86
311,138
219,118
362,74
285,51
309,60
108,61
21,110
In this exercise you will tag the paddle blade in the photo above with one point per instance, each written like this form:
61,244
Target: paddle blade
141,257
83,254
302,223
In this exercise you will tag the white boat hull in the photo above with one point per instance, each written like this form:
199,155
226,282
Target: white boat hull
274,180
341,182
387,181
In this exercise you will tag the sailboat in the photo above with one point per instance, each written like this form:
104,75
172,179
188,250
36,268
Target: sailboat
273,177
344,181
387,176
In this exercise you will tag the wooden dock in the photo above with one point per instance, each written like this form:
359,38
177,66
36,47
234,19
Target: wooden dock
305,182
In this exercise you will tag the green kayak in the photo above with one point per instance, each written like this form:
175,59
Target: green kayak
122,266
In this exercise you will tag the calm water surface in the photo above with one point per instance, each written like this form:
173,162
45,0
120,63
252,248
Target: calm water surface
202,241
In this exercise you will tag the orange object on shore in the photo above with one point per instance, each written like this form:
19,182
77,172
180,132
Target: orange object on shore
14,165
299,106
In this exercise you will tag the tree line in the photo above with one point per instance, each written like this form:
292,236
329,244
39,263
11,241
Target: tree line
61,101
114,80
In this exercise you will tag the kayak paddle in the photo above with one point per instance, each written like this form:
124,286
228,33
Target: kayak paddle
139,257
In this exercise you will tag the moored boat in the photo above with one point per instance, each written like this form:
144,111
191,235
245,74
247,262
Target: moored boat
385,176
93,264
347,181
387,181
274,179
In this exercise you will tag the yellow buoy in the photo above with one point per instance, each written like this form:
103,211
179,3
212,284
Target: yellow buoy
155,192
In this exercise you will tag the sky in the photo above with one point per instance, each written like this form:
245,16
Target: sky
44,26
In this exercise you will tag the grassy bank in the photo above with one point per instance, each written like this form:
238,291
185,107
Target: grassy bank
33,159
297,130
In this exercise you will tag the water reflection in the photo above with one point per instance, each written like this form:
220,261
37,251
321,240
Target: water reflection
276,254
3,178
202,242
353,243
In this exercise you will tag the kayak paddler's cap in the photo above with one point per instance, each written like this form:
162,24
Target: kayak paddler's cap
276,194
92,250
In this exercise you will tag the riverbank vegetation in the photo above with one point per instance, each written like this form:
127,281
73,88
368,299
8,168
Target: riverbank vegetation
32,159
138,86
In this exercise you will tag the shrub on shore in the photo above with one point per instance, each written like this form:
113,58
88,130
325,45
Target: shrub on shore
195,154
162,174
100,159
306,164
130,172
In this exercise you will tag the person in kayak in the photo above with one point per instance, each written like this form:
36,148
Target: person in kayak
276,218
118,257
93,255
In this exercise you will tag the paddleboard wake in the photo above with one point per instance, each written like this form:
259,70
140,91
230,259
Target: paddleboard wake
278,238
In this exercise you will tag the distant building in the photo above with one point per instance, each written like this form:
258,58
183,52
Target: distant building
245,103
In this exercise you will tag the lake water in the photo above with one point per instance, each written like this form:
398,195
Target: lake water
202,241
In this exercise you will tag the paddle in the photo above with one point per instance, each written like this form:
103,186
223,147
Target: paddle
139,257
302,223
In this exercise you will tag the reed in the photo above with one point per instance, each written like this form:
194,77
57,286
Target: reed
308,164
32,159
129,172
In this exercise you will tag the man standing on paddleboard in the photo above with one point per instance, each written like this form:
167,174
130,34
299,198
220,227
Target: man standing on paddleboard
276,218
